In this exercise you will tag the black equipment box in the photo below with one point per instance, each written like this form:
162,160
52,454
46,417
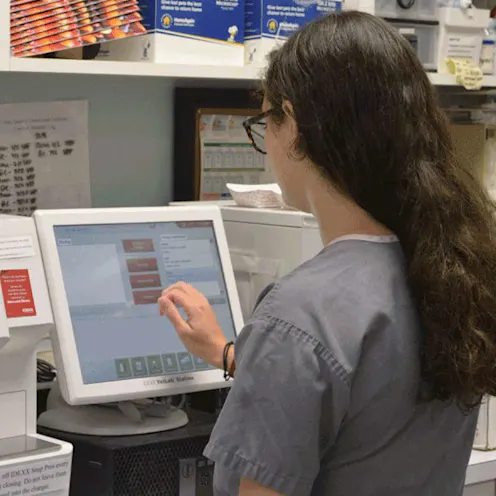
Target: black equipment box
142,465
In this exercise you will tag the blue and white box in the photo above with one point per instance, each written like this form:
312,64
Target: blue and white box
268,23
205,32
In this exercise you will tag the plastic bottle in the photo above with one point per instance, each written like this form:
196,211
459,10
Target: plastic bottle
488,52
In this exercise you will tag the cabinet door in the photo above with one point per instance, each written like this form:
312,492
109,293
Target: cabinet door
260,255
485,489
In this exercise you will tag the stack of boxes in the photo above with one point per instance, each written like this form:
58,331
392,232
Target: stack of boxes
269,23
243,32
208,32
231,32
39,27
216,32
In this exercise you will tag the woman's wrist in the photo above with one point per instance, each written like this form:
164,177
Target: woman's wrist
218,362
230,361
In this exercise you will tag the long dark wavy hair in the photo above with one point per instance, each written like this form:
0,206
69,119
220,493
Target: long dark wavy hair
369,120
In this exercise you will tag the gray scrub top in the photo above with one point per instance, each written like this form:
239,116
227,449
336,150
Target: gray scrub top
325,399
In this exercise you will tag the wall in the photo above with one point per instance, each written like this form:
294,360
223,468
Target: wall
130,131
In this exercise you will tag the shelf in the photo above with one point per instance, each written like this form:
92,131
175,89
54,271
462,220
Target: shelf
482,467
449,80
147,69
244,75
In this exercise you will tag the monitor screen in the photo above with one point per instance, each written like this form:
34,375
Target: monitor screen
113,275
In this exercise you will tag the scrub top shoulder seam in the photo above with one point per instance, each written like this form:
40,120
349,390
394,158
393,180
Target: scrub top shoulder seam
305,337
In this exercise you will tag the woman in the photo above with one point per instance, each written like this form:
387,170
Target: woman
361,371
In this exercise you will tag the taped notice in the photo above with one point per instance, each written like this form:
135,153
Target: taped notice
17,294
46,477
44,156
466,73
18,247
463,47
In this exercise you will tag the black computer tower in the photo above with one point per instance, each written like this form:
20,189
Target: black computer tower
142,465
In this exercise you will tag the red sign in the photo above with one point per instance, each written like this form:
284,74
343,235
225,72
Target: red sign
17,293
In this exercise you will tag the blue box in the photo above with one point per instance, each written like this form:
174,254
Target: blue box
208,32
269,23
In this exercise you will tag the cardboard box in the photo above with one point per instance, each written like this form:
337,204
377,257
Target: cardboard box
205,32
44,26
485,435
268,23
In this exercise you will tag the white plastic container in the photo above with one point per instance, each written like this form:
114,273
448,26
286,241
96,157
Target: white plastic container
487,54
461,32
427,40
421,10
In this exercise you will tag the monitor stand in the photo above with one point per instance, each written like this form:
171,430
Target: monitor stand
121,419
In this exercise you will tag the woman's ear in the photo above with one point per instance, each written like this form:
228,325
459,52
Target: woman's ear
291,126
288,109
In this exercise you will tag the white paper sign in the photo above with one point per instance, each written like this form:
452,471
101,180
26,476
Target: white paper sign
463,47
16,247
44,157
47,477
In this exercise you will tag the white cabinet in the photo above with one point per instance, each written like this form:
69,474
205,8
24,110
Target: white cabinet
484,489
481,474
266,245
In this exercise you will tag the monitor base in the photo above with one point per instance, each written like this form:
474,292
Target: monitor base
104,421
120,419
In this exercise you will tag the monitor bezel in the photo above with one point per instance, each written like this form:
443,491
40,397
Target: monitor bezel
74,391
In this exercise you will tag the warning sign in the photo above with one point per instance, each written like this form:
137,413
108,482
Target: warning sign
49,477
17,293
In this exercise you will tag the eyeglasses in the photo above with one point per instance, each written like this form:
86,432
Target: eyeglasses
255,128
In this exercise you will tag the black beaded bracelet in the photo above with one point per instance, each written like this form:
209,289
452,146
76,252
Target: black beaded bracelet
225,363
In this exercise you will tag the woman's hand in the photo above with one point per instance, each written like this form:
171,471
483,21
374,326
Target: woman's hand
200,333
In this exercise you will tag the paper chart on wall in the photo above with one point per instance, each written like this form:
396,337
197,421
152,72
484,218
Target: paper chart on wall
44,156
227,156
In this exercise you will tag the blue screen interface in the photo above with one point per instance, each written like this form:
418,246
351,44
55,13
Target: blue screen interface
113,275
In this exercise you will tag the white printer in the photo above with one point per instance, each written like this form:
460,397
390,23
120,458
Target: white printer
266,244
